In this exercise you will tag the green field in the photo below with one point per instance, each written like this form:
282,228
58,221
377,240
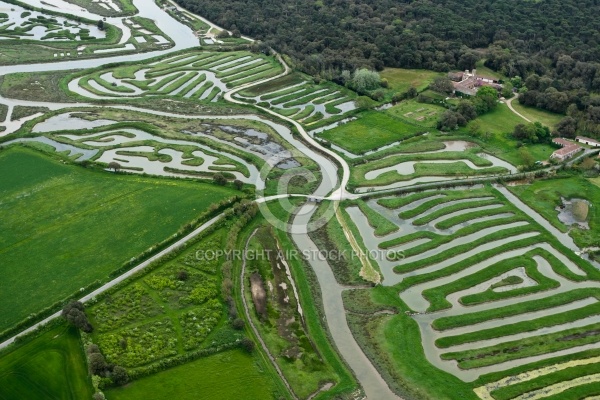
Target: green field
545,195
371,131
537,115
64,227
500,123
417,113
50,366
228,375
400,80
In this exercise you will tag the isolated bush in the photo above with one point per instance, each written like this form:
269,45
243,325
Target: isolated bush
220,179
98,396
183,275
238,324
247,345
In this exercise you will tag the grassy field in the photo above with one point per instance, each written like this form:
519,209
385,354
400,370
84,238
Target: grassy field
229,375
537,115
64,227
371,131
50,366
501,122
417,113
545,195
400,80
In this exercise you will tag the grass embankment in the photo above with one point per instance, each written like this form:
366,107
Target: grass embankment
39,86
126,7
545,195
49,366
453,167
381,224
393,344
65,227
527,347
326,362
331,238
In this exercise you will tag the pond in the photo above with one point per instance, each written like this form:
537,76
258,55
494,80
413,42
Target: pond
574,212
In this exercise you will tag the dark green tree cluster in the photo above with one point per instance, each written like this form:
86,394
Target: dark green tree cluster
468,109
532,133
74,313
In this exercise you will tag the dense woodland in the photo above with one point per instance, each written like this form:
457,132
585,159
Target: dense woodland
556,41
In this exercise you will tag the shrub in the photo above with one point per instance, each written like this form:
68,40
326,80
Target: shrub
247,344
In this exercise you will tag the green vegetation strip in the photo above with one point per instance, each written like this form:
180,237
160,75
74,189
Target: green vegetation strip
438,240
527,347
459,321
461,249
462,218
520,327
454,208
397,202
449,195
382,225
437,296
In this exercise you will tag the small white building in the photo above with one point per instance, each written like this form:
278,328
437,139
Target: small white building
588,141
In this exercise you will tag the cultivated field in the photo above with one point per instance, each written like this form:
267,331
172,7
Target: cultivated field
201,76
488,293
228,375
65,227
37,368
371,131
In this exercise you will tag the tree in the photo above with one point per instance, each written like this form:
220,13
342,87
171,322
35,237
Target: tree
567,127
74,313
238,324
98,396
219,179
183,275
588,163
486,99
115,166
475,129
467,110
507,90
526,157
100,25
97,364
442,84
365,80
247,345
119,375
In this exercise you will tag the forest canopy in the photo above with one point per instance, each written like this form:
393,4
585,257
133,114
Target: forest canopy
555,41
